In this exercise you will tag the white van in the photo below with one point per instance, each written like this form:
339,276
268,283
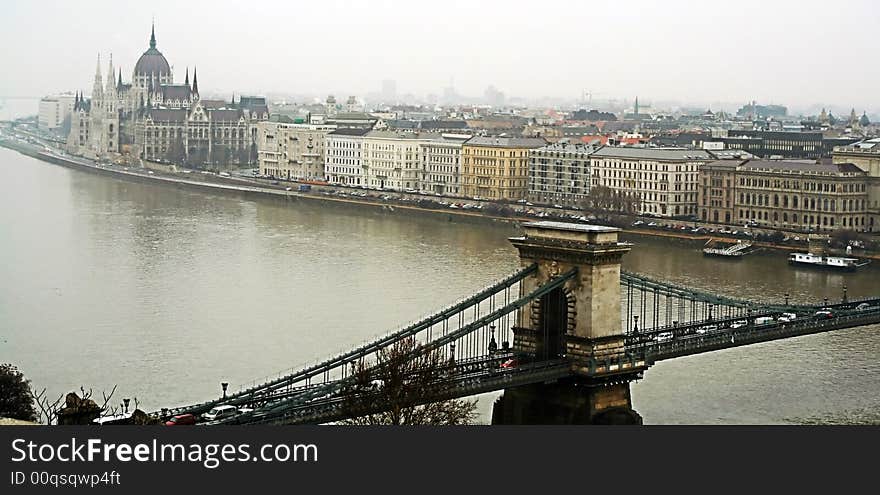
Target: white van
764,320
786,317
220,412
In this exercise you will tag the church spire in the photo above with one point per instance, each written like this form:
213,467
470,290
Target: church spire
110,75
98,87
186,81
119,83
195,88
153,36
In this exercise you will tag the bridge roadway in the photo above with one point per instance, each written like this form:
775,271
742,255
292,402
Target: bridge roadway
483,374
688,340
472,377
313,394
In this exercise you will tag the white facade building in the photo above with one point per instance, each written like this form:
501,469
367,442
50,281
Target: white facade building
441,164
54,109
343,156
392,160
665,180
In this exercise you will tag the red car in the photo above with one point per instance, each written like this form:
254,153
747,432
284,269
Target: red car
181,419
510,363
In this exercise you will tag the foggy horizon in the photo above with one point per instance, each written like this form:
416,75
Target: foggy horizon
800,55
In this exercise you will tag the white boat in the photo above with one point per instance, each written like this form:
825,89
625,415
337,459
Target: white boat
835,262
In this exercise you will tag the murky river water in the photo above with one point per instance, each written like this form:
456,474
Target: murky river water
168,292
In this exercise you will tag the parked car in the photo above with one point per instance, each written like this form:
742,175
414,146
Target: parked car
664,336
637,223
181,419
787,317
824,313
707,328
220,412
739,324
863,307
510,363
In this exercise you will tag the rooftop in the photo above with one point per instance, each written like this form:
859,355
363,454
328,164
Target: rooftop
677,154
789,166
801,166
571,227
506,142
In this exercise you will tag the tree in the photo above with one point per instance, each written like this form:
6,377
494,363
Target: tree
603,198
396,386
16,401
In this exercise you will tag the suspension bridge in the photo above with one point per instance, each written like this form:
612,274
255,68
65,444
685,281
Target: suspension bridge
571,327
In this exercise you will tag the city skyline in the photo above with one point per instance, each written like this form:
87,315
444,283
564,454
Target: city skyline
364,45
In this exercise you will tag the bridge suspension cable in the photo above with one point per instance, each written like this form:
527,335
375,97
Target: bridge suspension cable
339,363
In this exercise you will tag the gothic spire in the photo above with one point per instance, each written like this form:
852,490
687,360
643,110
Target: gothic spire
186,81
98,86
153,36
195,88
110,74
119,83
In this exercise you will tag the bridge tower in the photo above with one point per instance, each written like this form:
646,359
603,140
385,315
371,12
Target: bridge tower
579,322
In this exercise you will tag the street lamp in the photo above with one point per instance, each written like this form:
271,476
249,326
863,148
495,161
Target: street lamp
636,324
224,385
711,306
493,346
845,299
786,298
452,351
125,405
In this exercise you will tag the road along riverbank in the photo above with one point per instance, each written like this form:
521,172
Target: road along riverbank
332,196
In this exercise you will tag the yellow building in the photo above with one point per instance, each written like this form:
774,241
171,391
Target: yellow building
497,167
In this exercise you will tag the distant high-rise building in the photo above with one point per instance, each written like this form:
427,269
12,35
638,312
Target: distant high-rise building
54,110
493,96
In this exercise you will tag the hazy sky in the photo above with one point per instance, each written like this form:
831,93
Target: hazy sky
792,52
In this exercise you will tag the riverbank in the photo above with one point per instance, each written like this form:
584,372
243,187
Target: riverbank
330,195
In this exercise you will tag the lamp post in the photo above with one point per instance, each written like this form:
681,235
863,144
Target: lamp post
224,385
711,306
493,346
845,299
636,324
786,298
125,405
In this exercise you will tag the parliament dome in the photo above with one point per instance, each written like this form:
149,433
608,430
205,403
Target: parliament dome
152,61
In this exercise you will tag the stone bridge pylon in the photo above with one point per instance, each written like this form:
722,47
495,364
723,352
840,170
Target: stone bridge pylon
579,322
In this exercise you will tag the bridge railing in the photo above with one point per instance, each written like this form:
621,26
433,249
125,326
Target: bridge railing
454,317
753,333
472,340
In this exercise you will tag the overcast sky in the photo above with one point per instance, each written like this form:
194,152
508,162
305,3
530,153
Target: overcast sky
796,53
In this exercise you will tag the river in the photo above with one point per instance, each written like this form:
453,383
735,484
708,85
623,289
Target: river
167,292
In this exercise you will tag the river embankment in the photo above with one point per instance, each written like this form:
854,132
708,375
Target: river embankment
336,196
